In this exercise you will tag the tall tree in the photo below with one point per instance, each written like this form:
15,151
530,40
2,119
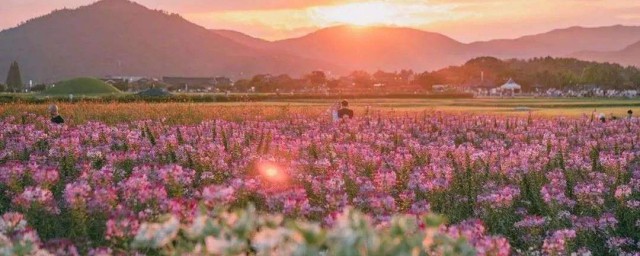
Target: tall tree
317,78
14,79
361,78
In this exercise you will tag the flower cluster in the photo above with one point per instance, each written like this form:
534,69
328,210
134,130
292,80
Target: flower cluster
17,238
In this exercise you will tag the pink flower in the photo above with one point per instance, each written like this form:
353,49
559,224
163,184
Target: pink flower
218,194
584,223
553,193
531,222
121,228
474,232
501,197
45,177
103,199
622,192
616,243
11,222
591,193
556,243
607,221
76,194
35,196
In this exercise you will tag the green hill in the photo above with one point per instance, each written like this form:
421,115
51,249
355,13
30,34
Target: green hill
82,86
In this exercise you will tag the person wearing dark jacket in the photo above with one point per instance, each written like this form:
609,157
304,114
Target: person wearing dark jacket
345,111
55,116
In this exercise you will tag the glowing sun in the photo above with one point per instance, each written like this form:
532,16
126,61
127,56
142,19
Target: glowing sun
359,14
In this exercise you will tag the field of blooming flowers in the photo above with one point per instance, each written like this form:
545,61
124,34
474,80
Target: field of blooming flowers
305,185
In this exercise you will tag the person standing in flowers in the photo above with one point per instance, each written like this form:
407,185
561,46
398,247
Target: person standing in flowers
629,114
602,117
334,111
613,117
345,111
55,116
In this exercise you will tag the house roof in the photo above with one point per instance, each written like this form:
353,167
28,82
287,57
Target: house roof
511,85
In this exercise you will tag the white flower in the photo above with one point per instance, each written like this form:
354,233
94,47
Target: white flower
157,235
12,222
267,239
197,227
216,246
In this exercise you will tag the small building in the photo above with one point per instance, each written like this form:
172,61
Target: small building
510,86
480,87
440,87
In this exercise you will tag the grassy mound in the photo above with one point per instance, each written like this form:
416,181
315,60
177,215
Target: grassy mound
82,86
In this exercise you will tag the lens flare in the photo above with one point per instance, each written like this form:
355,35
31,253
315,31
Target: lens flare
272,172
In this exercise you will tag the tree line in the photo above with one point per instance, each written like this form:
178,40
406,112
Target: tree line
532,74
536,73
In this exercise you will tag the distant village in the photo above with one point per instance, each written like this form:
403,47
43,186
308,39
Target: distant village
482,77
350,84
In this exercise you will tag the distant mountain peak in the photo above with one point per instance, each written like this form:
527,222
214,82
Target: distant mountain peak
342,32
116,4
585,28
124,38
242,38
633,47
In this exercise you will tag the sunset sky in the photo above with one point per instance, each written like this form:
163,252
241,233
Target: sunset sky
464,20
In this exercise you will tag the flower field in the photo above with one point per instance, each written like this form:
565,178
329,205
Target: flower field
382,184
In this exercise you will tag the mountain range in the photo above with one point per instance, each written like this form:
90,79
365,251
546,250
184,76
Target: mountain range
123,38
630,55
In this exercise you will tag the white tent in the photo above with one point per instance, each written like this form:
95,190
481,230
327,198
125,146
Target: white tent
511,85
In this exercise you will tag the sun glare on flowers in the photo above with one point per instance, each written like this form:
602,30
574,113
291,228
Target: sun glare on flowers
272,172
